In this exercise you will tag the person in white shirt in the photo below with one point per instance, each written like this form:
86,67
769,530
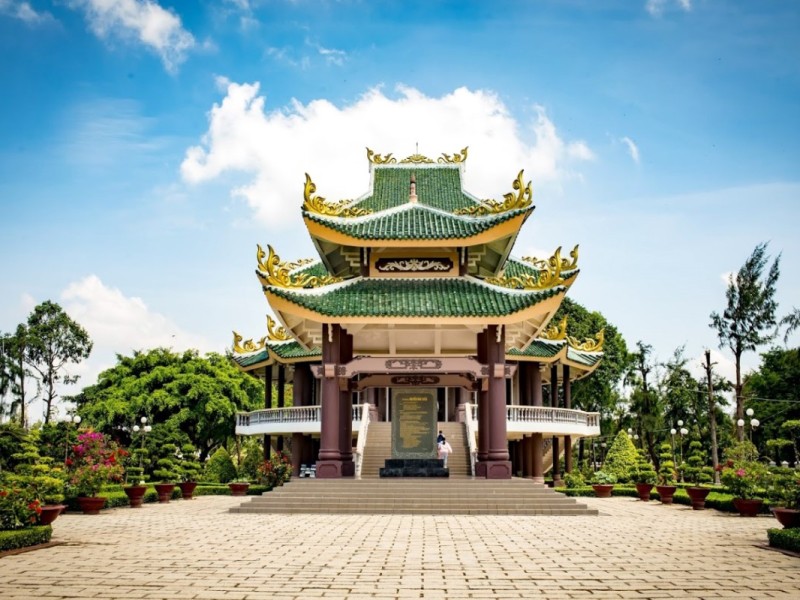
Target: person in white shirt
444,450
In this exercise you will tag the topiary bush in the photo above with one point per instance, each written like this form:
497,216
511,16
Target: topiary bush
621,459
220,467
188,467
696,470
645,473
788,539
574,480
666,473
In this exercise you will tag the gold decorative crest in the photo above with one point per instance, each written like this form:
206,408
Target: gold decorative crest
273,271
511,201
318,204
377,159
589,344
416,159
275,332
458,157
556,332
549,275
248,346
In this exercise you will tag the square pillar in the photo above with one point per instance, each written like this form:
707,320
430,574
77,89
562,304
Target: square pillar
346,412
329,464
537,440
567,391
281,400
267,404
498,465
556,441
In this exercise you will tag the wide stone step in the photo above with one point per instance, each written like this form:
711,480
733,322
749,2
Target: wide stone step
419,511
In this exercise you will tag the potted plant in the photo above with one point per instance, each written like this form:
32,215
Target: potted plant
603,483
744,477
40,477
93,464
239,487
188,468
166,472
697,472
135,486
645,476
276,471
666,475
787,510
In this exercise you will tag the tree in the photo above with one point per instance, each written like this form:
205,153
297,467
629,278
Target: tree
53,340
644,400
773,392
792,322
200,396
15,373
622,459
748,320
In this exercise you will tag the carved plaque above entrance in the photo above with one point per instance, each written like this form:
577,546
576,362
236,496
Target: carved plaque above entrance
413,265
415,380
414,364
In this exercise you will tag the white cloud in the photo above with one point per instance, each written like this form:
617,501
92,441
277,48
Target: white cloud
24,12
656,7
633,149
726,277
277,147
144,20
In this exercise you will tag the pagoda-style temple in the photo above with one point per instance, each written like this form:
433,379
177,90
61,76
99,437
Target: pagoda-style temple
415,295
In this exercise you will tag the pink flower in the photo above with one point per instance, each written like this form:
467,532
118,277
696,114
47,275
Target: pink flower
740,472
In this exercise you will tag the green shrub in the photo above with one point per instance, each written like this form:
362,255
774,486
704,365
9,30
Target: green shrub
220,468
604,478
666,473
645,473
621,459
188,467
22,538
167,464
696,470
787,539
574,480
253,457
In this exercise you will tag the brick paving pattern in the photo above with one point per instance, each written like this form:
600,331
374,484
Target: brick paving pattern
198,550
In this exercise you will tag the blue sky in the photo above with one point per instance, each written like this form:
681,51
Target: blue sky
146,147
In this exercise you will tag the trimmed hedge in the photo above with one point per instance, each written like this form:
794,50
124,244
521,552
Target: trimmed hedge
716,500
787,539
22,538
115,497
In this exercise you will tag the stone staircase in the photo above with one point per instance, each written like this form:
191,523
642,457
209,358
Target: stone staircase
379,447
464,496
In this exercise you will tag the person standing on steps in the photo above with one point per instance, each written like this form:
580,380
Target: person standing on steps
444,450
440,437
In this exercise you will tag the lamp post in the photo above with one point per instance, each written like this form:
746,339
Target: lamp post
145,429
77,421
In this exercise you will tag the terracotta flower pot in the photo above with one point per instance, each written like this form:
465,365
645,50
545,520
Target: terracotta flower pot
644,489
788,517
135,495
91,505
603,490
164,492
50,513
238,489
747,507
698,496
666,492
187,489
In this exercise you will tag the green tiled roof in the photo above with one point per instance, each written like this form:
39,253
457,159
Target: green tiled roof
246,360
439,187
415,223
434,297
288,350
539,349
589,359
315,269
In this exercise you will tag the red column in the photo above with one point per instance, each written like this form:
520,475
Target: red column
281,399
498,463
483,413
567,404
346,412
537,441
329,464
267,404
556,450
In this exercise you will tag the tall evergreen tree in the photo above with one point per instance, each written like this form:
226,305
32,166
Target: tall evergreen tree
748,320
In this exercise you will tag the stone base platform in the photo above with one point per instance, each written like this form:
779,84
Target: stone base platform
414,467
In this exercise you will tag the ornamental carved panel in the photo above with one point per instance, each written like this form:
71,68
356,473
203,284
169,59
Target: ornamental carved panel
413,265
415,380
414,364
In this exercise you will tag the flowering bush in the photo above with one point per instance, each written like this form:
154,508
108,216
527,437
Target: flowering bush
18,508
276,471
743,479
94,462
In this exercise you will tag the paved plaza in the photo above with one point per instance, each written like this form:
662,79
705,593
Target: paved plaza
198,550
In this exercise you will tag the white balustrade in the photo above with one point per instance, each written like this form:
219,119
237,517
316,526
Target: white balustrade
362,436
544,419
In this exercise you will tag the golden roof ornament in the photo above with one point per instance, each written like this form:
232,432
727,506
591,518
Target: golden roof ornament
318,204
458,157
556,332
589,344
548,276
273,271
377,159
275,332
248,346
416,159
523,198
